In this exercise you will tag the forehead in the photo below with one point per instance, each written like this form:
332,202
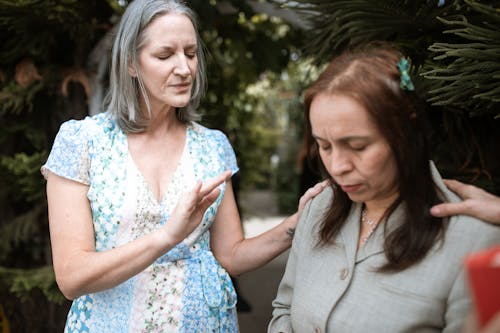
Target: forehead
340,115
170,28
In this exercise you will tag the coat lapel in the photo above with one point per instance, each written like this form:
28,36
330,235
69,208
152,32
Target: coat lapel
350,233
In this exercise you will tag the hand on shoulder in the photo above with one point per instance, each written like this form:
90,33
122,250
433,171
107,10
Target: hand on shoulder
476,202
304,199
311,193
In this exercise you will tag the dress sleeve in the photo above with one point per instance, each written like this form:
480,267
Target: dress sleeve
69,157
226,152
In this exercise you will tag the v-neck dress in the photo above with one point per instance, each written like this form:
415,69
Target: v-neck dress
185,290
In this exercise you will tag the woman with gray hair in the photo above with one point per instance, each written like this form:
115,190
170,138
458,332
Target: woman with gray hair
143,221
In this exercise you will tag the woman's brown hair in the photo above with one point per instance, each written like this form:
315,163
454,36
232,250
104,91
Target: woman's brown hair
371,77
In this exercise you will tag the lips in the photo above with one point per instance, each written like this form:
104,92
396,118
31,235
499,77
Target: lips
181,88
350,188
181,85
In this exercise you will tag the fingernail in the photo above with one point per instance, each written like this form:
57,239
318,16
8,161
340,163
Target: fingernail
435,211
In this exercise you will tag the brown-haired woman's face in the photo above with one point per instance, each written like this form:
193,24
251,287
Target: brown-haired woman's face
353,150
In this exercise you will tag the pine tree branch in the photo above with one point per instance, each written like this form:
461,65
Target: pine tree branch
20,229
466,74
23,281
336,25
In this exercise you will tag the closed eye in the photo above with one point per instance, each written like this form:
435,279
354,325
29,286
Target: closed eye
324,147
358,147
164,56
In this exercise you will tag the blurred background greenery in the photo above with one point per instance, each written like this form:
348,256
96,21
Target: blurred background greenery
261,56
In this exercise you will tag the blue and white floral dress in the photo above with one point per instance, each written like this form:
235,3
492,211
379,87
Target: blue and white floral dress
185,290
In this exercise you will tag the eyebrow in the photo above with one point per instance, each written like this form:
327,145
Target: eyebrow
344,139
170,48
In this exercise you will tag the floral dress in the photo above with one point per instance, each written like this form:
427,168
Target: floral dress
185,290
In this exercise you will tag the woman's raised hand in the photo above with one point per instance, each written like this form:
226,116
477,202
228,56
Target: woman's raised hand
192,205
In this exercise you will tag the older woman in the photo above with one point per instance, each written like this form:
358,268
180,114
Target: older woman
367,255
138,241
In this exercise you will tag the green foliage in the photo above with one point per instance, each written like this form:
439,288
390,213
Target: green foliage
462,73
41,41
26,171
336,25
22,281
277,107
41,28
19,230
243,45
466,74
15,99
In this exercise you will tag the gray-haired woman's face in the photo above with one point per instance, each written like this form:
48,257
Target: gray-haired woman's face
168,61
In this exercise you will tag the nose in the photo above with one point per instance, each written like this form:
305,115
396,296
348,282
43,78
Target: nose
339,164
182,67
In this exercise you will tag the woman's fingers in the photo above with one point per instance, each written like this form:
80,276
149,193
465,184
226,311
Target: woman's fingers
203,195
209,185
308,195
205,202
311,193
464,191
192,205
450,209
476,202
210,191
204,189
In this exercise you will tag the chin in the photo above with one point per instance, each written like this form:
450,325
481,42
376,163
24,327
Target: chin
358,198
179,104
177,100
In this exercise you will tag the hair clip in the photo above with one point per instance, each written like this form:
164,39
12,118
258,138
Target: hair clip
405,80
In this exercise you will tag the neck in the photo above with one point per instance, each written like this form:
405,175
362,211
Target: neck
376,209
161,120
159,115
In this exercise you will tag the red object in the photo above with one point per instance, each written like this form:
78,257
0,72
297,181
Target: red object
483,269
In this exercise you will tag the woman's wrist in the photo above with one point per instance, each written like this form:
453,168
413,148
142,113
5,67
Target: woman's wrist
163,240
290,224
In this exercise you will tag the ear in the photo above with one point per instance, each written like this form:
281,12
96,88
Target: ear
131,69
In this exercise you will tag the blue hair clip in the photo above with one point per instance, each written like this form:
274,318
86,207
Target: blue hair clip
405,80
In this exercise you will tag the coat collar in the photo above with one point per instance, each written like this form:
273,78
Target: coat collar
375,245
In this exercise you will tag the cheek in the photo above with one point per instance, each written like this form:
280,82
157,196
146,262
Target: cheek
381,166
194,66
388,173
325,160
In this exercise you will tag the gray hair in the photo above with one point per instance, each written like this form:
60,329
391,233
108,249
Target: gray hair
122,97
